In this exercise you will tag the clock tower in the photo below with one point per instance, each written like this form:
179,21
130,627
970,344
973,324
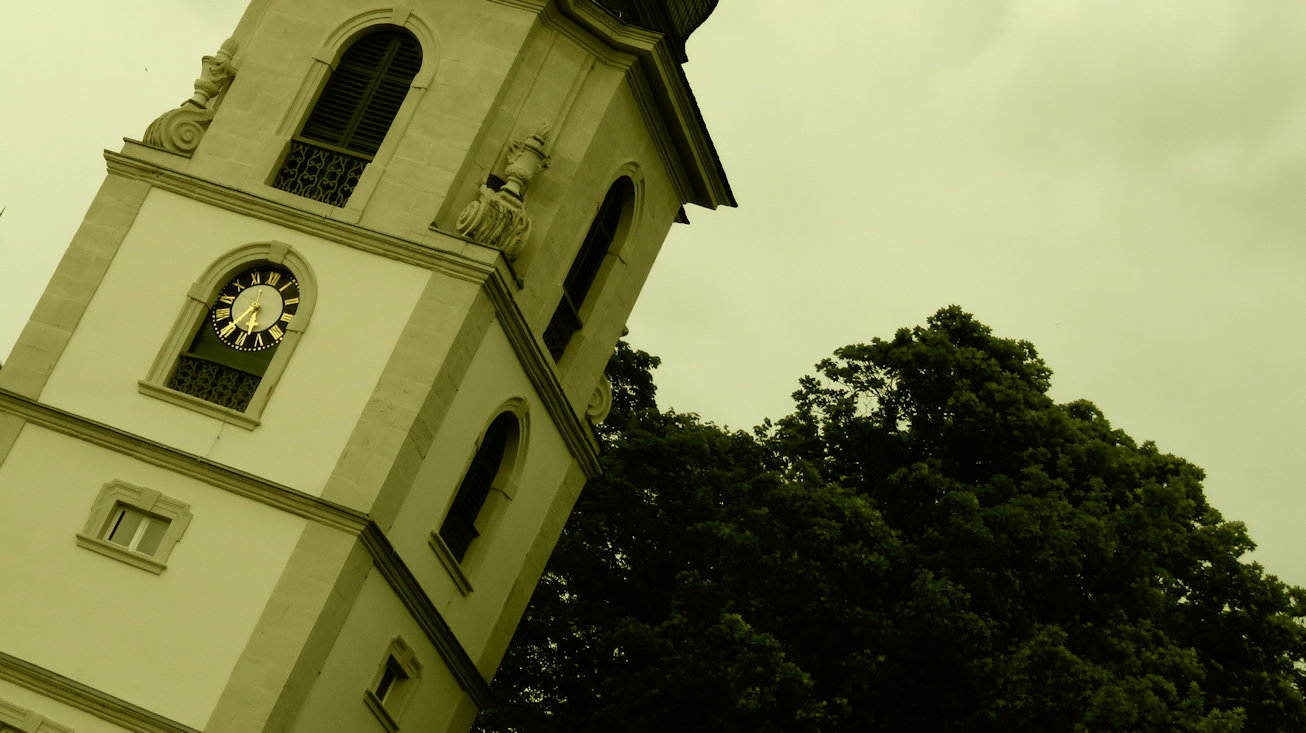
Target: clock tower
293,429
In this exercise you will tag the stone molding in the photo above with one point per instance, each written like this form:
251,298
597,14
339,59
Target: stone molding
187,464
665,99
406,586
88,699
180,130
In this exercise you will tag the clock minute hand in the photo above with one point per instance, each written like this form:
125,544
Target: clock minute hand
256,305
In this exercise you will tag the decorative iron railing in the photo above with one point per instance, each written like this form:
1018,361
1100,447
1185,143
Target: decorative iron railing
214,382
320,173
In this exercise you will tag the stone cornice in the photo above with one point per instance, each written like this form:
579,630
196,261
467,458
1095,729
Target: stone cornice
88,699
495,279
187,464
409,590
661,85
242,202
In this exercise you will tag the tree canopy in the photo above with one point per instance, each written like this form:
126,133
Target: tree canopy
929,542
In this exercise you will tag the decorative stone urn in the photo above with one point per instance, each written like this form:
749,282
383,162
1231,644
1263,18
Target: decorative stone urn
497,218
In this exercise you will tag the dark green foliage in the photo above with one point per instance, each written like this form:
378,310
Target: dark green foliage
928,543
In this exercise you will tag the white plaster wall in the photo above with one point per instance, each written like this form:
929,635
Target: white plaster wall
363,303
336,700
164,642
493,561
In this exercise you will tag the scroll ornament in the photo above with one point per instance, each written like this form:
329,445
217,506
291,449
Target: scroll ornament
600,402
180,130
497,218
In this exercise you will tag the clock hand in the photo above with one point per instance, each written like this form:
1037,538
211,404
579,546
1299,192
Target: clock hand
241,317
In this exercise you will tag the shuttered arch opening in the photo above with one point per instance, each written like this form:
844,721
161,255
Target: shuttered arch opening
584,270
459,527
351,117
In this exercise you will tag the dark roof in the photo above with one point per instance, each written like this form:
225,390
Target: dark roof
675,19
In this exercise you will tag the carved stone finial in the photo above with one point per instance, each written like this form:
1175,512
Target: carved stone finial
498,218
600,402
525,159
180,130
216,72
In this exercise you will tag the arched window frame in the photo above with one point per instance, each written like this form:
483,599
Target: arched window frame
326,60
502,490
568,320
194,316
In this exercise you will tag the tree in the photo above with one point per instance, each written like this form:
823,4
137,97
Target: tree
929,542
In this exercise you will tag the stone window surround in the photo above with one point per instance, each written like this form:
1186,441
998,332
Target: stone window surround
118,493
631,216
325,59
194,314
27,721
502,490
401,691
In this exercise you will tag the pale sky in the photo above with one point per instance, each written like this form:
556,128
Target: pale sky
1119,182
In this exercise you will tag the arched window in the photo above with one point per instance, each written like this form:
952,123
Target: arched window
232,348
459,527
567,320
351,117
234,335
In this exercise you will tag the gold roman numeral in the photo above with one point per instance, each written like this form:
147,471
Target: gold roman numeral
274,278
292,301
286,317
253,279
276,331
258,339
288,284
227,330
228,299
222,313
240,339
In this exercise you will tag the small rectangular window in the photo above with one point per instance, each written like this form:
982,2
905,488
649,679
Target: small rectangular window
391,677
393,685
135,530
134,524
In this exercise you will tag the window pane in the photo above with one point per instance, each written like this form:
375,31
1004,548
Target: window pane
392,675
122,526
153,535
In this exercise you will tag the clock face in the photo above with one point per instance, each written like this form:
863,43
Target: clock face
253,311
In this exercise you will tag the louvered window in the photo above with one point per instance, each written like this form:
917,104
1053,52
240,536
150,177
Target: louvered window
459,527
566,319
351,117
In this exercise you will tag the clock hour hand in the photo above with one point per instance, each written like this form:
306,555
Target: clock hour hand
251,309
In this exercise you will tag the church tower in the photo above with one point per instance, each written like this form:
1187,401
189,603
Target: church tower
298,420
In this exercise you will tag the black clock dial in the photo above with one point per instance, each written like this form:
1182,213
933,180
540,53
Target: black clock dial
255,308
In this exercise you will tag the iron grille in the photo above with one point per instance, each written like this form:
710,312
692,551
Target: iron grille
319,173
214,382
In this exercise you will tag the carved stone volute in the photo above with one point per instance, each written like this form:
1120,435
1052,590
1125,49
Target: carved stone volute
600,403
497,218
180,130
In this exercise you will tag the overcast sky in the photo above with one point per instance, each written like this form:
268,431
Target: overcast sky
1122,183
